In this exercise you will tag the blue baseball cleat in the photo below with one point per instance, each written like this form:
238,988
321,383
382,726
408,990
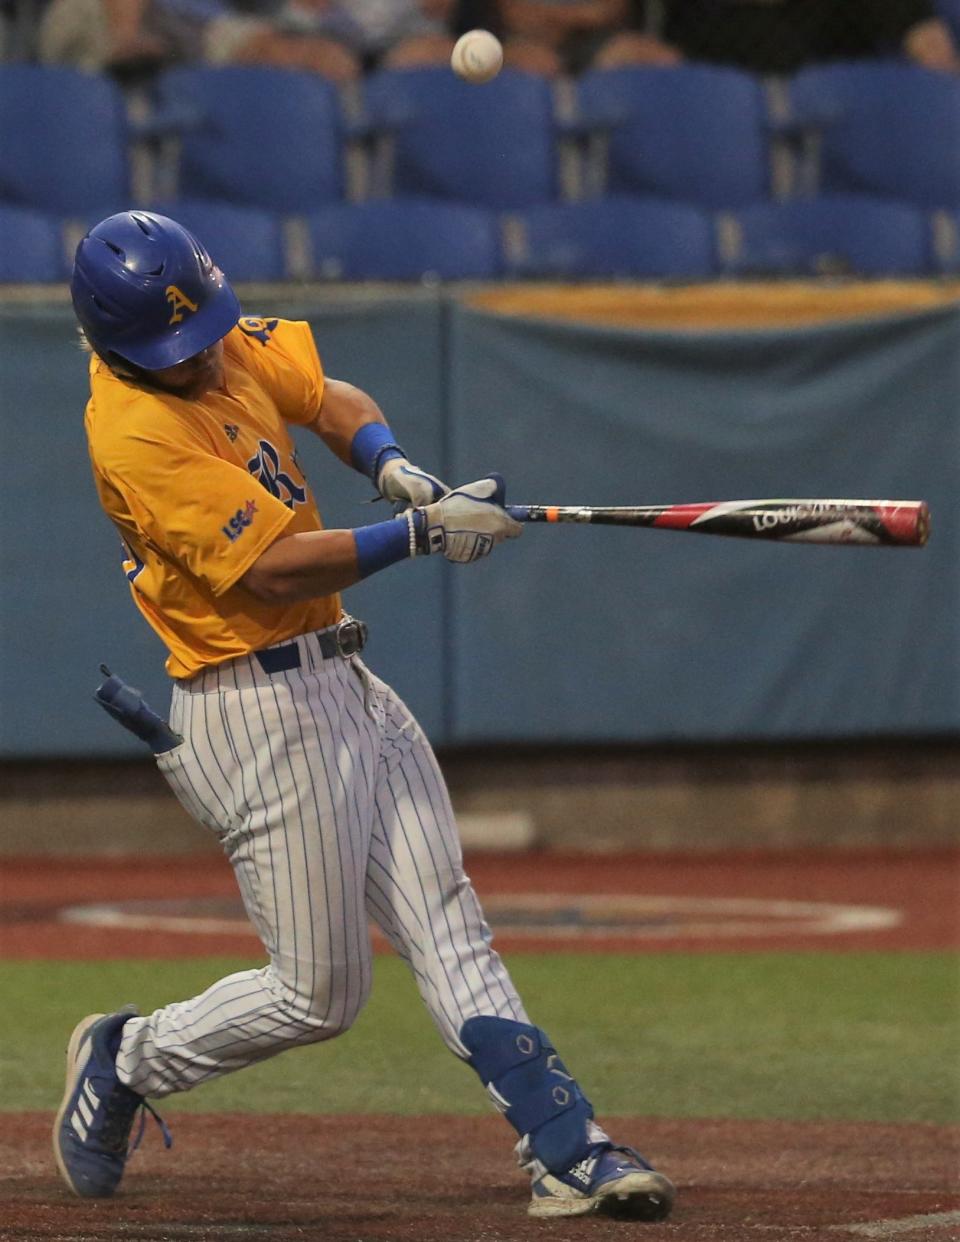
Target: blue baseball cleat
91,1134
609,1181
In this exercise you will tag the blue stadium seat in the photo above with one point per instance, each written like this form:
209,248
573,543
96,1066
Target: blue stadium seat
831,235
692,133
404,239
255,136
31,246
439,137
245,242
63,140
883,128
611,237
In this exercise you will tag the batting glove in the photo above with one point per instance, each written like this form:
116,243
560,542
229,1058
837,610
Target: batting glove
408,485
468,522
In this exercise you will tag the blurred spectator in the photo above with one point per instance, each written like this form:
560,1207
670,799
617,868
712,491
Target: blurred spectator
564,37
780,36
133,37
391,34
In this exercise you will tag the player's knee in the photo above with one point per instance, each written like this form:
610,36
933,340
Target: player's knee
325,1009
530,1085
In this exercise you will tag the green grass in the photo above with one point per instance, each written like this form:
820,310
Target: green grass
853,1036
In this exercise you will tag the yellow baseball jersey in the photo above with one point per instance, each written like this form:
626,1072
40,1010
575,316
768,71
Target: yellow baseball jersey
198,488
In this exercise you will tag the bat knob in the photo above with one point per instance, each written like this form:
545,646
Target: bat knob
500,493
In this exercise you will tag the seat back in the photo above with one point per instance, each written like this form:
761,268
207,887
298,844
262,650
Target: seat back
831,235
440,137
884,128
613,237
404,239
31,246
692,133
63,140
256,136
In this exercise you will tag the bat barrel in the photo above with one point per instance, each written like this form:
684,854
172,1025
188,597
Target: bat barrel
909,523
879,522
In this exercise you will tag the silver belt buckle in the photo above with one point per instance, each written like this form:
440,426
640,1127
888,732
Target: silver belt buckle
350,636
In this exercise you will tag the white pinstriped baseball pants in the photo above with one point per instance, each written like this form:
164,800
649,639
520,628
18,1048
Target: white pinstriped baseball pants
328,801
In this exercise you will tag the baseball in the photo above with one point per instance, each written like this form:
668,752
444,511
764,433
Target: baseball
477,56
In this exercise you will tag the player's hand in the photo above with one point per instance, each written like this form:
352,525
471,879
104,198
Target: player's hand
468,522
408,485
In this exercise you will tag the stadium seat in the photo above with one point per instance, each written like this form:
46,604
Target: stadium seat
254,136
31,247
436,136
831,235
404,239
881,128
245,242
693,133
64,140
612,237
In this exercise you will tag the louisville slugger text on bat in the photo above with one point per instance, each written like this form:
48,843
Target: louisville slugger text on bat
889,523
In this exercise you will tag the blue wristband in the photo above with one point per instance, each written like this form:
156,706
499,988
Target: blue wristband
383,544
371,446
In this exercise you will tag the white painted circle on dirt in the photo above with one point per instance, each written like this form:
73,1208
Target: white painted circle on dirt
558,916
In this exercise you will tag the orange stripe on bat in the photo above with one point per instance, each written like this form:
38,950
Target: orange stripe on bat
553,513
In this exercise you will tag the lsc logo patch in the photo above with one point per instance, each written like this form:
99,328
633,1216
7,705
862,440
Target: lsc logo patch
236,525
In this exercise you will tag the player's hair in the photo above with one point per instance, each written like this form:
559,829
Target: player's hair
120,368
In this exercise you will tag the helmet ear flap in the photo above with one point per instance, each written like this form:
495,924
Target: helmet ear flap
147,292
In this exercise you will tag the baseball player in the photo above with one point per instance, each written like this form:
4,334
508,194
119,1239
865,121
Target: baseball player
318,782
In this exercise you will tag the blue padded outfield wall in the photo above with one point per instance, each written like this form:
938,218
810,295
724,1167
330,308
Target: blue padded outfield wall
569,634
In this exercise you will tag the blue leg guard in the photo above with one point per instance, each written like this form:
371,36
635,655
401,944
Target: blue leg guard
530,1085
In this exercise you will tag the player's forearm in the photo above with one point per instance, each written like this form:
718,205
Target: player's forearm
343,411
321,562
304,566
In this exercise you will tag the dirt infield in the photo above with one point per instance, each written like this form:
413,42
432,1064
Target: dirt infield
452,1179
170,907
342,1179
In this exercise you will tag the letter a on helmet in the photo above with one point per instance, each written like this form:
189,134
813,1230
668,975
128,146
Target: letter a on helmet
146,291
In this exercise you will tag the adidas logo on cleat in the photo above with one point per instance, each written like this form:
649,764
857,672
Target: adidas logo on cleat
583,1171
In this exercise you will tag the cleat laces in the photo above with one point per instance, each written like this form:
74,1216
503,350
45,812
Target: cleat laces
120,1110
145,1108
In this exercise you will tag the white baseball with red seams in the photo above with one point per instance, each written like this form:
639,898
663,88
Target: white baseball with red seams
477,56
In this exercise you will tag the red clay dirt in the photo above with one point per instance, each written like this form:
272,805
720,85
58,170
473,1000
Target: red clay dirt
922,886
452,1179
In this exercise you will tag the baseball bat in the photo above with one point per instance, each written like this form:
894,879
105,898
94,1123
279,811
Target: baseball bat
892,523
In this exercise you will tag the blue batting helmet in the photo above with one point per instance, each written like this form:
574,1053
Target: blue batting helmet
146,291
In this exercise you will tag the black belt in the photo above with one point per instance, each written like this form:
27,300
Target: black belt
346,639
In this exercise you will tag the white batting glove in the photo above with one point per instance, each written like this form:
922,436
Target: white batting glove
408,485
468,522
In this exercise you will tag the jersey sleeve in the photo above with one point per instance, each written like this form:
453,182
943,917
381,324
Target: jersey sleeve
282,354
206,514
